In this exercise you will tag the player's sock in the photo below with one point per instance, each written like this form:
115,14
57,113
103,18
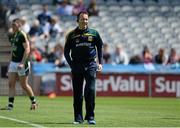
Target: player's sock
11,101
33,100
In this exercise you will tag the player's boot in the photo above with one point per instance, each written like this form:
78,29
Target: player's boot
92,122
34,106
78,119
78,122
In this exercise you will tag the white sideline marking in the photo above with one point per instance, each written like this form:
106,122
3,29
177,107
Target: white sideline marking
21,121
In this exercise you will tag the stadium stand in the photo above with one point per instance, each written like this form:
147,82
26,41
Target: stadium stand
131,23
144,21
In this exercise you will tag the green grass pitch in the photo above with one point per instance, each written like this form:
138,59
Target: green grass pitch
110,112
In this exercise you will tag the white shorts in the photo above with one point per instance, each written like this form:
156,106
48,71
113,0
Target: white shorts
13,67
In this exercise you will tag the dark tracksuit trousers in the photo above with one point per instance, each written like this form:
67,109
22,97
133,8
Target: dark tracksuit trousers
84,71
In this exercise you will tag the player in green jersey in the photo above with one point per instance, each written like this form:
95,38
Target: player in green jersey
19,66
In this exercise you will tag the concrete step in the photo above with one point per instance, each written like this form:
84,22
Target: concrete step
5,57
3,37
3,40
4,44
5,49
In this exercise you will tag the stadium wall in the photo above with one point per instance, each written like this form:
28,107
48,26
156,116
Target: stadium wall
128,84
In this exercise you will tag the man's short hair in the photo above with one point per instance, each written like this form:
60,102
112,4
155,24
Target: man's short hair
16,19
81,12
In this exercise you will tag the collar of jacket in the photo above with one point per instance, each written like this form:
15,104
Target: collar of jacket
82,30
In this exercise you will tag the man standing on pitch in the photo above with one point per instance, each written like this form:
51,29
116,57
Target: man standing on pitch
81,48
19,65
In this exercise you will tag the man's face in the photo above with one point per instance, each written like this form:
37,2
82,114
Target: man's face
83,21
15,26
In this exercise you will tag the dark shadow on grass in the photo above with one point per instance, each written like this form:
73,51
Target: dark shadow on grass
57,124
53,123
171,118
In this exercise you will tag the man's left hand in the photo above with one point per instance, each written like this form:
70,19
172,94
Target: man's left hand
99,69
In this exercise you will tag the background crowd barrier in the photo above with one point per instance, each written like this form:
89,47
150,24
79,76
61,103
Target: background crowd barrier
145,80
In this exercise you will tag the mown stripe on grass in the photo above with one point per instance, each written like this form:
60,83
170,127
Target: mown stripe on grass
21,121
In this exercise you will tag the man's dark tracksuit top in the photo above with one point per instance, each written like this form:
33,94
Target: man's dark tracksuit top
82,45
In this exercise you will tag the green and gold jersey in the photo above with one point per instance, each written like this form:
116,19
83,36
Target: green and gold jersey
17,40
83,44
